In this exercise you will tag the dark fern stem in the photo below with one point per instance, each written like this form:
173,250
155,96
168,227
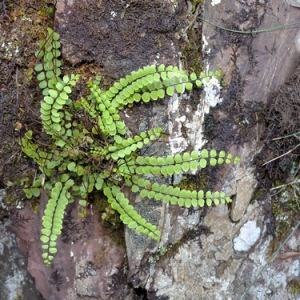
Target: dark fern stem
56,279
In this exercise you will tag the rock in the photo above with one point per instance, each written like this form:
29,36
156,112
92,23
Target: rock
15,281
216,270
89,264
109,33
190,270
249,234
295,3
244,187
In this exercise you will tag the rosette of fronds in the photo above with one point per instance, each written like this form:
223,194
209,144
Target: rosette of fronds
89,148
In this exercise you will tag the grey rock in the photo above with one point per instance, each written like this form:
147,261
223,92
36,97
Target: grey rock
295,3
15,281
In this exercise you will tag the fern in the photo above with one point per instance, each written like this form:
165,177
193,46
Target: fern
80,159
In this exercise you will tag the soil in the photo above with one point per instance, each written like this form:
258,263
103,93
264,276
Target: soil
282,133
124,41
23,25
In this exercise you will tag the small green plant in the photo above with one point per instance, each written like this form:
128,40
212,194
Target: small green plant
88,148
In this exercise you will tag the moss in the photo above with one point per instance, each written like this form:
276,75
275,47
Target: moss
191,41
108,216
47,12
258,193
191,52
165,252
110,219
195,4
18,297
286,212
172,250
194,182
294,287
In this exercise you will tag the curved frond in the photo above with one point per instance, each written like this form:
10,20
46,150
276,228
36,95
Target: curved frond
124,147
128,214
175,195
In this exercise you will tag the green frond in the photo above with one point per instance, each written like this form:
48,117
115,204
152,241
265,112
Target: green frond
88,107
128,214
175,195
53,217
180,162
124,147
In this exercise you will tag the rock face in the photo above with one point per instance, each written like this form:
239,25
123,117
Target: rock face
226,261
210,253
15,281
118,35
88,263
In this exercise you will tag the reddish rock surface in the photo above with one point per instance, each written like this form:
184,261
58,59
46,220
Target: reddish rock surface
88,264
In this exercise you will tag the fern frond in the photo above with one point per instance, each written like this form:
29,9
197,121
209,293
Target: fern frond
175,195
124,147
149,83
55,89
145,84
28,146
88,107
181,162
128,214
52,114
53,218
108,120
49,51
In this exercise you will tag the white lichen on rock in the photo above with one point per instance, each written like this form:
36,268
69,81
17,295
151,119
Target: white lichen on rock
215,2
193,121
249,234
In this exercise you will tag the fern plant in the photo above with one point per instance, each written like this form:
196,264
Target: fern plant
96,154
